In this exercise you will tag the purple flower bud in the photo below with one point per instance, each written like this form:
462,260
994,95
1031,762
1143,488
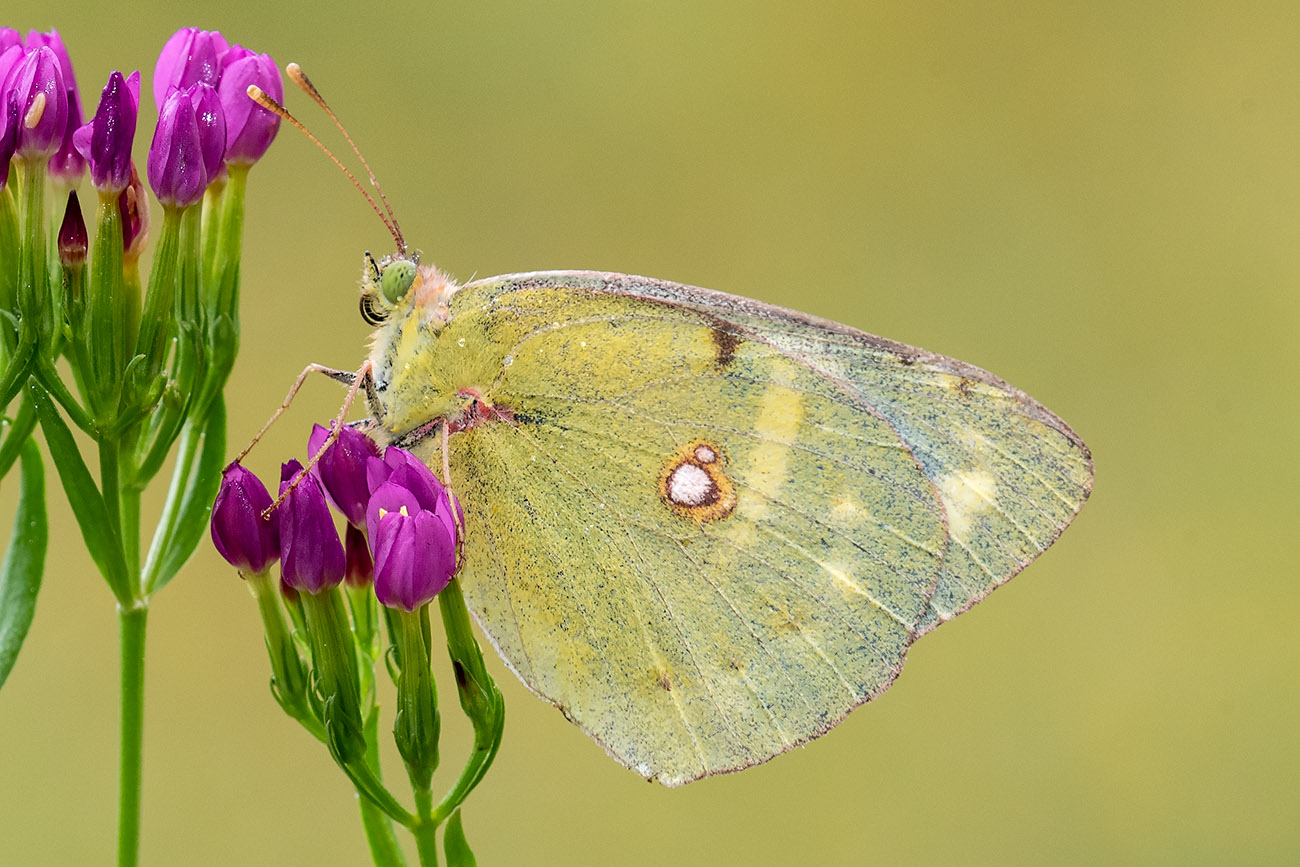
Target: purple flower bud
191,56
187,146
66,163
412,530
360,569
342,470
249,127
212,129
8,133
72,235
248,543
311,556
133,205
106,140
37,81
9,37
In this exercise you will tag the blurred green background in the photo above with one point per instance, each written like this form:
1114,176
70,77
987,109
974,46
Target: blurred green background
1099,202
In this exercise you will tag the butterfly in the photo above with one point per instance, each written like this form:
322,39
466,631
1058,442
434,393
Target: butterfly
704,527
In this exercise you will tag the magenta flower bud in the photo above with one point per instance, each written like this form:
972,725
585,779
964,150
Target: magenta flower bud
212,129
133,205
106,141
360,568
8,133
187,145
37,81
9,37
250,128
342,470
412,531
191,56
72,235
248,542
66,163
10,57
311,556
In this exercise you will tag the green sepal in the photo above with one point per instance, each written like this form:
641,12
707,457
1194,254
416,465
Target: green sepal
140,393
290,675
24,560
106,337
222,347
180,530
74,306
224,271
334,667
9,266
35,302
417,725
156,320
454,844
98,530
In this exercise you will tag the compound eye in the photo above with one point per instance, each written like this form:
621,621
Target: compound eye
372,310
396,280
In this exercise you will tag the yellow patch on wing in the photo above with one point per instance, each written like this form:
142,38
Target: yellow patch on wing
967,494
780,412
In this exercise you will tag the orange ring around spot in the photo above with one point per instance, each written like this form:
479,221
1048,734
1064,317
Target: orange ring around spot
722,498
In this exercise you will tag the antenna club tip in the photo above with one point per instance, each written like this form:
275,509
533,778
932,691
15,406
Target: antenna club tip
255,92
292,68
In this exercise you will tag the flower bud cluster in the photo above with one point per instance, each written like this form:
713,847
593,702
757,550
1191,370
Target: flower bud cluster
402,530
395,502
144,363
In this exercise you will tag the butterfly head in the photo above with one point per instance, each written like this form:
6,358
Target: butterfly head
397,285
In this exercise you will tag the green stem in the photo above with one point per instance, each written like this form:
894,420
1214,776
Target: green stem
384,848
132,627
479,697
426,829
33,281
110,485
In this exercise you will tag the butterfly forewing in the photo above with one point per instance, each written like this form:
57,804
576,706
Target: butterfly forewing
707,528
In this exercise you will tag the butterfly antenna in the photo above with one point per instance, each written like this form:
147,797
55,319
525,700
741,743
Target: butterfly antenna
260,97
304,83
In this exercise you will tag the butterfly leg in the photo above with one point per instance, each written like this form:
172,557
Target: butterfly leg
356,380
343,376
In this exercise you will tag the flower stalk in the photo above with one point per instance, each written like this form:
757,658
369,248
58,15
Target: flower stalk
132,393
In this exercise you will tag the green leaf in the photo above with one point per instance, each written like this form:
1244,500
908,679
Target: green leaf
97,528
24,561
196,506
19,434
453,843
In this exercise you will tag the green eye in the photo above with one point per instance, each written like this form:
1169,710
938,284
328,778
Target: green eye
396,279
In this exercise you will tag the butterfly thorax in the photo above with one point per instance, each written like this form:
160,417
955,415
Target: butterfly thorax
429,366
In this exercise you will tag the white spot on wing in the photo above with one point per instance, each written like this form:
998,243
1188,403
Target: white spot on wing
689,486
